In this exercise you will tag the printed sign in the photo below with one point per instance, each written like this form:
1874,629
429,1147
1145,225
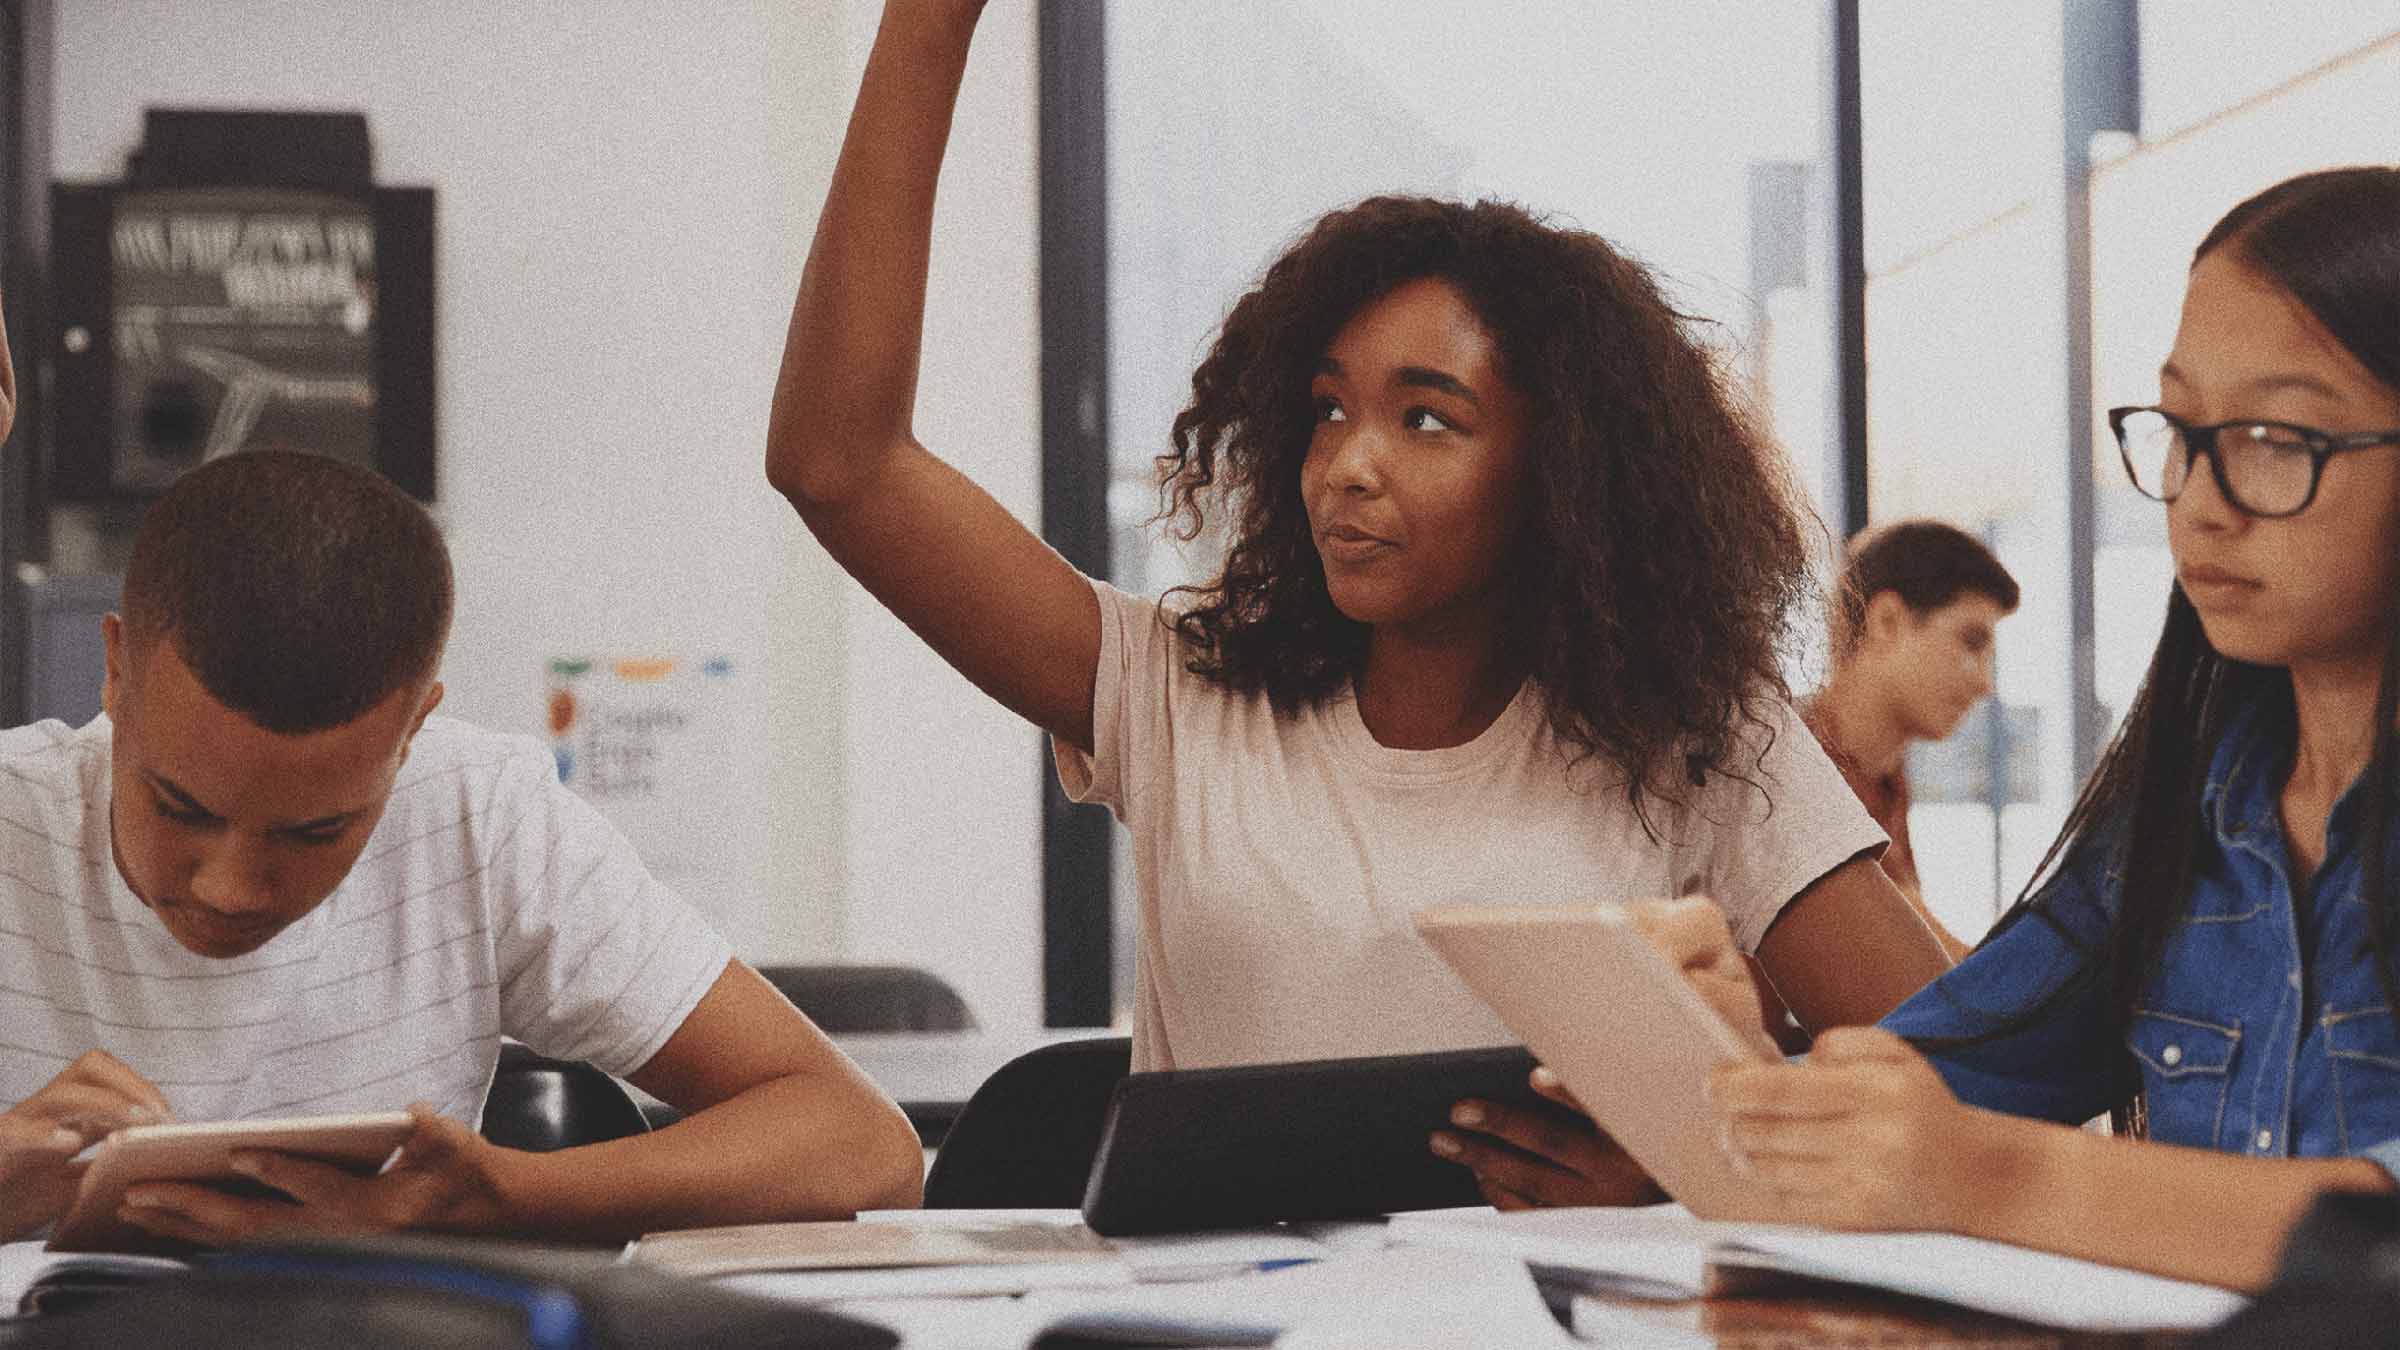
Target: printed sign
244,319
645,741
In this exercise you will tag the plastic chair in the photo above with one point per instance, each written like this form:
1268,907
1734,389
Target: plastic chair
845,998
851,1000
1027,1137
542,1105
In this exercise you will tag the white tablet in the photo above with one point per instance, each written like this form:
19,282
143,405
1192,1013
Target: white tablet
203,1152
1630,1037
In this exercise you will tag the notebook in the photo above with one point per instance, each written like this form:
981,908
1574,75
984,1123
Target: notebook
815,1262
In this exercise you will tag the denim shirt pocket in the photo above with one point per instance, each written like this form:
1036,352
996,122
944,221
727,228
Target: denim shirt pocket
2187,1066
2364,1048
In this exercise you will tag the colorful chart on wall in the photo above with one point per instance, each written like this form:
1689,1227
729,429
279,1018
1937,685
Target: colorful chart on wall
645,740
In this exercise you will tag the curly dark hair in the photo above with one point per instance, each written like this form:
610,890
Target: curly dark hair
1664,551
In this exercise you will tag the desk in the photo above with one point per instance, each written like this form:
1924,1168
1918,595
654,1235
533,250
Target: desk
932,1073
1362,1294
1845,1318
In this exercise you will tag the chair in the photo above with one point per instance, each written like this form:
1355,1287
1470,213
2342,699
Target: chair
844,998
58,661
1027,1137
851,1000
542,1105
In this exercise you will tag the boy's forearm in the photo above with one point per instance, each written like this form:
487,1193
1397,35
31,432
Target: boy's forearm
2187,1213
788,1149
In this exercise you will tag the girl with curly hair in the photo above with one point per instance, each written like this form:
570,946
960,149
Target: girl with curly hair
1508,578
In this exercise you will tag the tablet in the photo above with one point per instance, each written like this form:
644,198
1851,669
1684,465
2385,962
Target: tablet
1186,1149
204,1152
1620,1025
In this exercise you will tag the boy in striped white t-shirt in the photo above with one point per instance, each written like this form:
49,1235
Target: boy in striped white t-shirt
268,882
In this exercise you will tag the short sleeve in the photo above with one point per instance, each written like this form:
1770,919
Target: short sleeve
598,961
1138,655
2054,1065
1772,832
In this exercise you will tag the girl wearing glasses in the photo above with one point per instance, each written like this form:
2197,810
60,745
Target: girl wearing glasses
1498,621
2209,956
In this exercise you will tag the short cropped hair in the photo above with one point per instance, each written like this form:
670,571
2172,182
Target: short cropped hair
301,590
1927,563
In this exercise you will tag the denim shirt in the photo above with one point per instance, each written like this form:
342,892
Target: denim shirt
2266,1032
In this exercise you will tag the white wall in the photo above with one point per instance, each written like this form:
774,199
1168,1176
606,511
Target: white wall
624,204
944,804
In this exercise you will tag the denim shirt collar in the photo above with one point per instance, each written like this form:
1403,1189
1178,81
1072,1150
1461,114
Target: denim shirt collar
2248,769
2247,773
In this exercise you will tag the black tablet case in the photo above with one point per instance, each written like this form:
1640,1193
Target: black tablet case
1320,1139
409,1290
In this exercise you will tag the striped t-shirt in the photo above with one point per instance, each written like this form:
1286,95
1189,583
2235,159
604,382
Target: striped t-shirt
489,901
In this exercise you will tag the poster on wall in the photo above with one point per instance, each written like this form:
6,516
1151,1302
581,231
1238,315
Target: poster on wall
244,319
646,741
192,322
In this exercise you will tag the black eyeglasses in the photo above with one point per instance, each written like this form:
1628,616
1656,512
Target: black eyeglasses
2262,468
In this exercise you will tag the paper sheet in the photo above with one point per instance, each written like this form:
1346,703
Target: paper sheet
1661,1247
1665,1246
2055,1291
1387,1300
1400,1299
21,1263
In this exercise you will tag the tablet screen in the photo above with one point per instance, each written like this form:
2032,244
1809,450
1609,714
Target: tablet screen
1268,1143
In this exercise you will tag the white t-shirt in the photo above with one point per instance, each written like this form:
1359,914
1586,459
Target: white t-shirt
1280,859
488,901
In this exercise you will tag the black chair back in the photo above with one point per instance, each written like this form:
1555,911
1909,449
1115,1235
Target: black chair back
844,998
2338,1284
1027,1137
542,1105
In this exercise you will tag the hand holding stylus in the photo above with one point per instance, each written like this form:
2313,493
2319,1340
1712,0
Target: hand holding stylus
40,1136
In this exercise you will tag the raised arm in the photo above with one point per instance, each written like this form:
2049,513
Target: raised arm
938,551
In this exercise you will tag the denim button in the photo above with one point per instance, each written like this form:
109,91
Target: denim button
2266,1140
2171,1056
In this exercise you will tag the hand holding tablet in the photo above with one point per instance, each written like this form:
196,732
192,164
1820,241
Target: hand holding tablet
1628,1029
204,1153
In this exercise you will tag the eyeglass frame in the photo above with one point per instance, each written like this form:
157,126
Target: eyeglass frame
2202,440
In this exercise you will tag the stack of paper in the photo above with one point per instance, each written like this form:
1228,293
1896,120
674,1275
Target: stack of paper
24,1264
875,1259
1993,1277
1662,1251
1416,1299
1657,1251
